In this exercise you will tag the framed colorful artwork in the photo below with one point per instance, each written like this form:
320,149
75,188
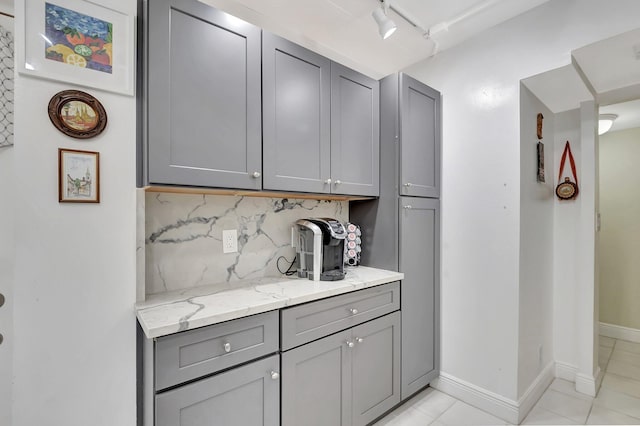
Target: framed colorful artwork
78,176
78,42
77,114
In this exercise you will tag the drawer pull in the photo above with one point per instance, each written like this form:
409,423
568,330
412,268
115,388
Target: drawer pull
350,343
408,185
353,311
338,182
227,347
255,175
275,375
328,181
359,339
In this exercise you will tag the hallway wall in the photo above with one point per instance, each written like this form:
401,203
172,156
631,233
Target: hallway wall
619,242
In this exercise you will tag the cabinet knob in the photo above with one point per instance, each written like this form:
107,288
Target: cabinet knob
227,347
1,299
353,311
350,343
359,339
408,185
275,375
338,182
256,175
328,181
407,207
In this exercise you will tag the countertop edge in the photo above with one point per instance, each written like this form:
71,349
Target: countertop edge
180,323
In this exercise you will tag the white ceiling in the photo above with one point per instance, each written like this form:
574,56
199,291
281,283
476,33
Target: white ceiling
628,114
345,31
560,89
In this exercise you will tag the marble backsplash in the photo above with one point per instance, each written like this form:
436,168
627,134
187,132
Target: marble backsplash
183,237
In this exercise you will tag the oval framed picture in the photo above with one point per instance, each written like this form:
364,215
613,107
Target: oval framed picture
77,114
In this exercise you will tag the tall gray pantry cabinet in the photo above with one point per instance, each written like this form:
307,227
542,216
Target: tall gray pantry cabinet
401,229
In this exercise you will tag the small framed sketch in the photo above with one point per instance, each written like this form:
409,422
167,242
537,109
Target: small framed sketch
78,41
77,114
78,176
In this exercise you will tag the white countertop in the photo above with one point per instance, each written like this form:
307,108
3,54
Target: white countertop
166,313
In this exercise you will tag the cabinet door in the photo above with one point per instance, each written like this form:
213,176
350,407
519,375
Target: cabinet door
355,132
296,89
245,396
203,97
420,139
316,386
419,260
376,368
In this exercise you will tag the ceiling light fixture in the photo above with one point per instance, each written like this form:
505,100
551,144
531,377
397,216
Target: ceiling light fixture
605,121
386,26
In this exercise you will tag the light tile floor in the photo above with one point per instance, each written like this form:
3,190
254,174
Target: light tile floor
617,402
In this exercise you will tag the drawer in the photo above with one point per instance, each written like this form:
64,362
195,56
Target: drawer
304,323
196,353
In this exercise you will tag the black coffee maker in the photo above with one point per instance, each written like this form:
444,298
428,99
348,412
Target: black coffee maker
320,249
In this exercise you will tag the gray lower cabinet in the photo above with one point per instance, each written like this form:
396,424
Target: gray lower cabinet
320,123
348,378
247,396
201,97
419,260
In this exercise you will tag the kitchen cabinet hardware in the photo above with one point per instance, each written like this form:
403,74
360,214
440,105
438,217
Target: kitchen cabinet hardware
353,311
338,182
275,375
256,175
350,344
227,347
408,185
328,181
1,339
408,207
359,339
1,299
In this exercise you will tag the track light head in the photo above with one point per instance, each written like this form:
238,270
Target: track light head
386,26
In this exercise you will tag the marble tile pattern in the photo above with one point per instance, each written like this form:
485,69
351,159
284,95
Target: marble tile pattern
183,237
180,310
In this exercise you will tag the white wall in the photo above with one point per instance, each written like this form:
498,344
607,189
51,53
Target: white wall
565,247
481,177
535,345
7,236
620,209
74,325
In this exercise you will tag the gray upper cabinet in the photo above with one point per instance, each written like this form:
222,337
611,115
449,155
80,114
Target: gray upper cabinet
202,97
420,138
296,117
320,123
247,396
355,129
419,260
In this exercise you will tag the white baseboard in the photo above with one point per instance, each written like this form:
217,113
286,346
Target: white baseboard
481,398
620,332
535,391
566,371
507,409
586,383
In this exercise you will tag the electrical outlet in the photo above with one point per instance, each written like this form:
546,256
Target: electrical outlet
230,241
